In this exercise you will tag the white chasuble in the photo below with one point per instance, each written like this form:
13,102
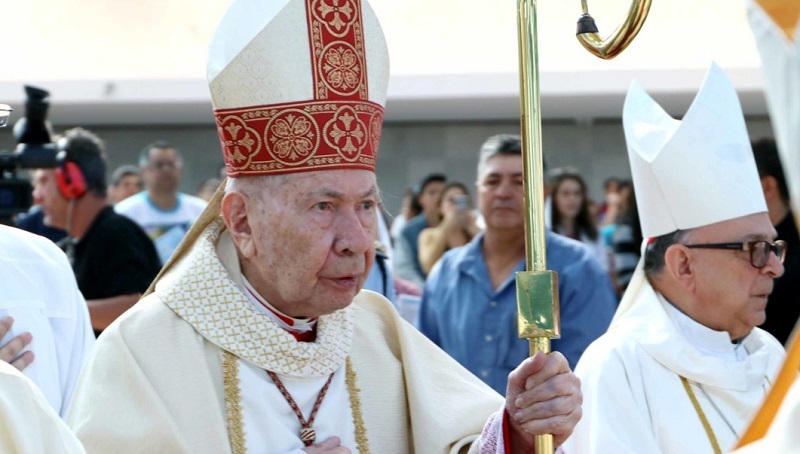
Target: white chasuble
635,401
183,371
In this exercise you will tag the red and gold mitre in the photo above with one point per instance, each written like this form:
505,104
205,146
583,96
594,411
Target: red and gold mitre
298,85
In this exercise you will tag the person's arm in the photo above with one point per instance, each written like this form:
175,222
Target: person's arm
432,245
103,311
9,352
471,227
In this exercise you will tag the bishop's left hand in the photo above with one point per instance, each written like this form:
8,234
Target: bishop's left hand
543,396
10,352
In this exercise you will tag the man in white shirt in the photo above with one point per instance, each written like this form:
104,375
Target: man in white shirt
164,213
683,367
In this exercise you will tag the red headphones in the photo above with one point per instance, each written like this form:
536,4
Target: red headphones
70,181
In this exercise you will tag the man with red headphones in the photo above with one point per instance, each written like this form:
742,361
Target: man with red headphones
113,259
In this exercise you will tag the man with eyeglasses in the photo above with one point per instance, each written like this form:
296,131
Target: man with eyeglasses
163,212
683,367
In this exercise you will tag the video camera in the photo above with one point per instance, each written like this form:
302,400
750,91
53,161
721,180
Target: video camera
34,150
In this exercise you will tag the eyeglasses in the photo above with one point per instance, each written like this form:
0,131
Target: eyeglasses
759,250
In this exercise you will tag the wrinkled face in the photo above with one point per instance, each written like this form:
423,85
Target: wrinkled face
128,186
731,293
500,193
568,198
429,198
45,193
313,240
448,206
163,171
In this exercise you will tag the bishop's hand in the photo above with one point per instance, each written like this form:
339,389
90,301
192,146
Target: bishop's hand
543,396
10,351
332,445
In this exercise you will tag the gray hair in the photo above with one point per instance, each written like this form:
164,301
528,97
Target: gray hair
249,185
656,250
499,145
124,171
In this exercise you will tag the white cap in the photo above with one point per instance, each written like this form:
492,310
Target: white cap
693,172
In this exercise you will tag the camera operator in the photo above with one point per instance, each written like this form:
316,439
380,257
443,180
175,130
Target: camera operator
113,259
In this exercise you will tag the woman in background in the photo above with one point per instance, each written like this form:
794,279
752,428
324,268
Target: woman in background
570,213
456,228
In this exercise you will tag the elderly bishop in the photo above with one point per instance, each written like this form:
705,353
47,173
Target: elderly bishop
257,337
683,367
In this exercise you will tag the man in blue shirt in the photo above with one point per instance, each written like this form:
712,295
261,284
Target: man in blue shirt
469,303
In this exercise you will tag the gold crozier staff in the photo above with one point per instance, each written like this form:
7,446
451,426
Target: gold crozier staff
537,288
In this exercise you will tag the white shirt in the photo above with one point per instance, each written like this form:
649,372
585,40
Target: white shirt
39,290
165,227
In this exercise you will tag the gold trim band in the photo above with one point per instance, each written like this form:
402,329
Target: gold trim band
233,402
701,414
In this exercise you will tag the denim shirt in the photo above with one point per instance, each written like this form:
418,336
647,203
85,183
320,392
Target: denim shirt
477,325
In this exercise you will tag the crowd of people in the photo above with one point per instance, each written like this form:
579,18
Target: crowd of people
150,320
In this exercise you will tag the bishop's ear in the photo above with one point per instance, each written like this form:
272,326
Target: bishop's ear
234,213
678,264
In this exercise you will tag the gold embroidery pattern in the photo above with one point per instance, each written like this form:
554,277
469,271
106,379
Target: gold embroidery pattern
233,403
337,49
375,128
293,137
336,15
200,290
355,406
346,134
239,143
318,134
359,35
320,90
341,68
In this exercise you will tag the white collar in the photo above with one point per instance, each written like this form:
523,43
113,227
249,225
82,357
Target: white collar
708,341
291,324
205,289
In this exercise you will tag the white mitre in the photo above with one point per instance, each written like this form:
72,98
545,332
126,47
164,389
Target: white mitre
688,173
298,85
694,172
